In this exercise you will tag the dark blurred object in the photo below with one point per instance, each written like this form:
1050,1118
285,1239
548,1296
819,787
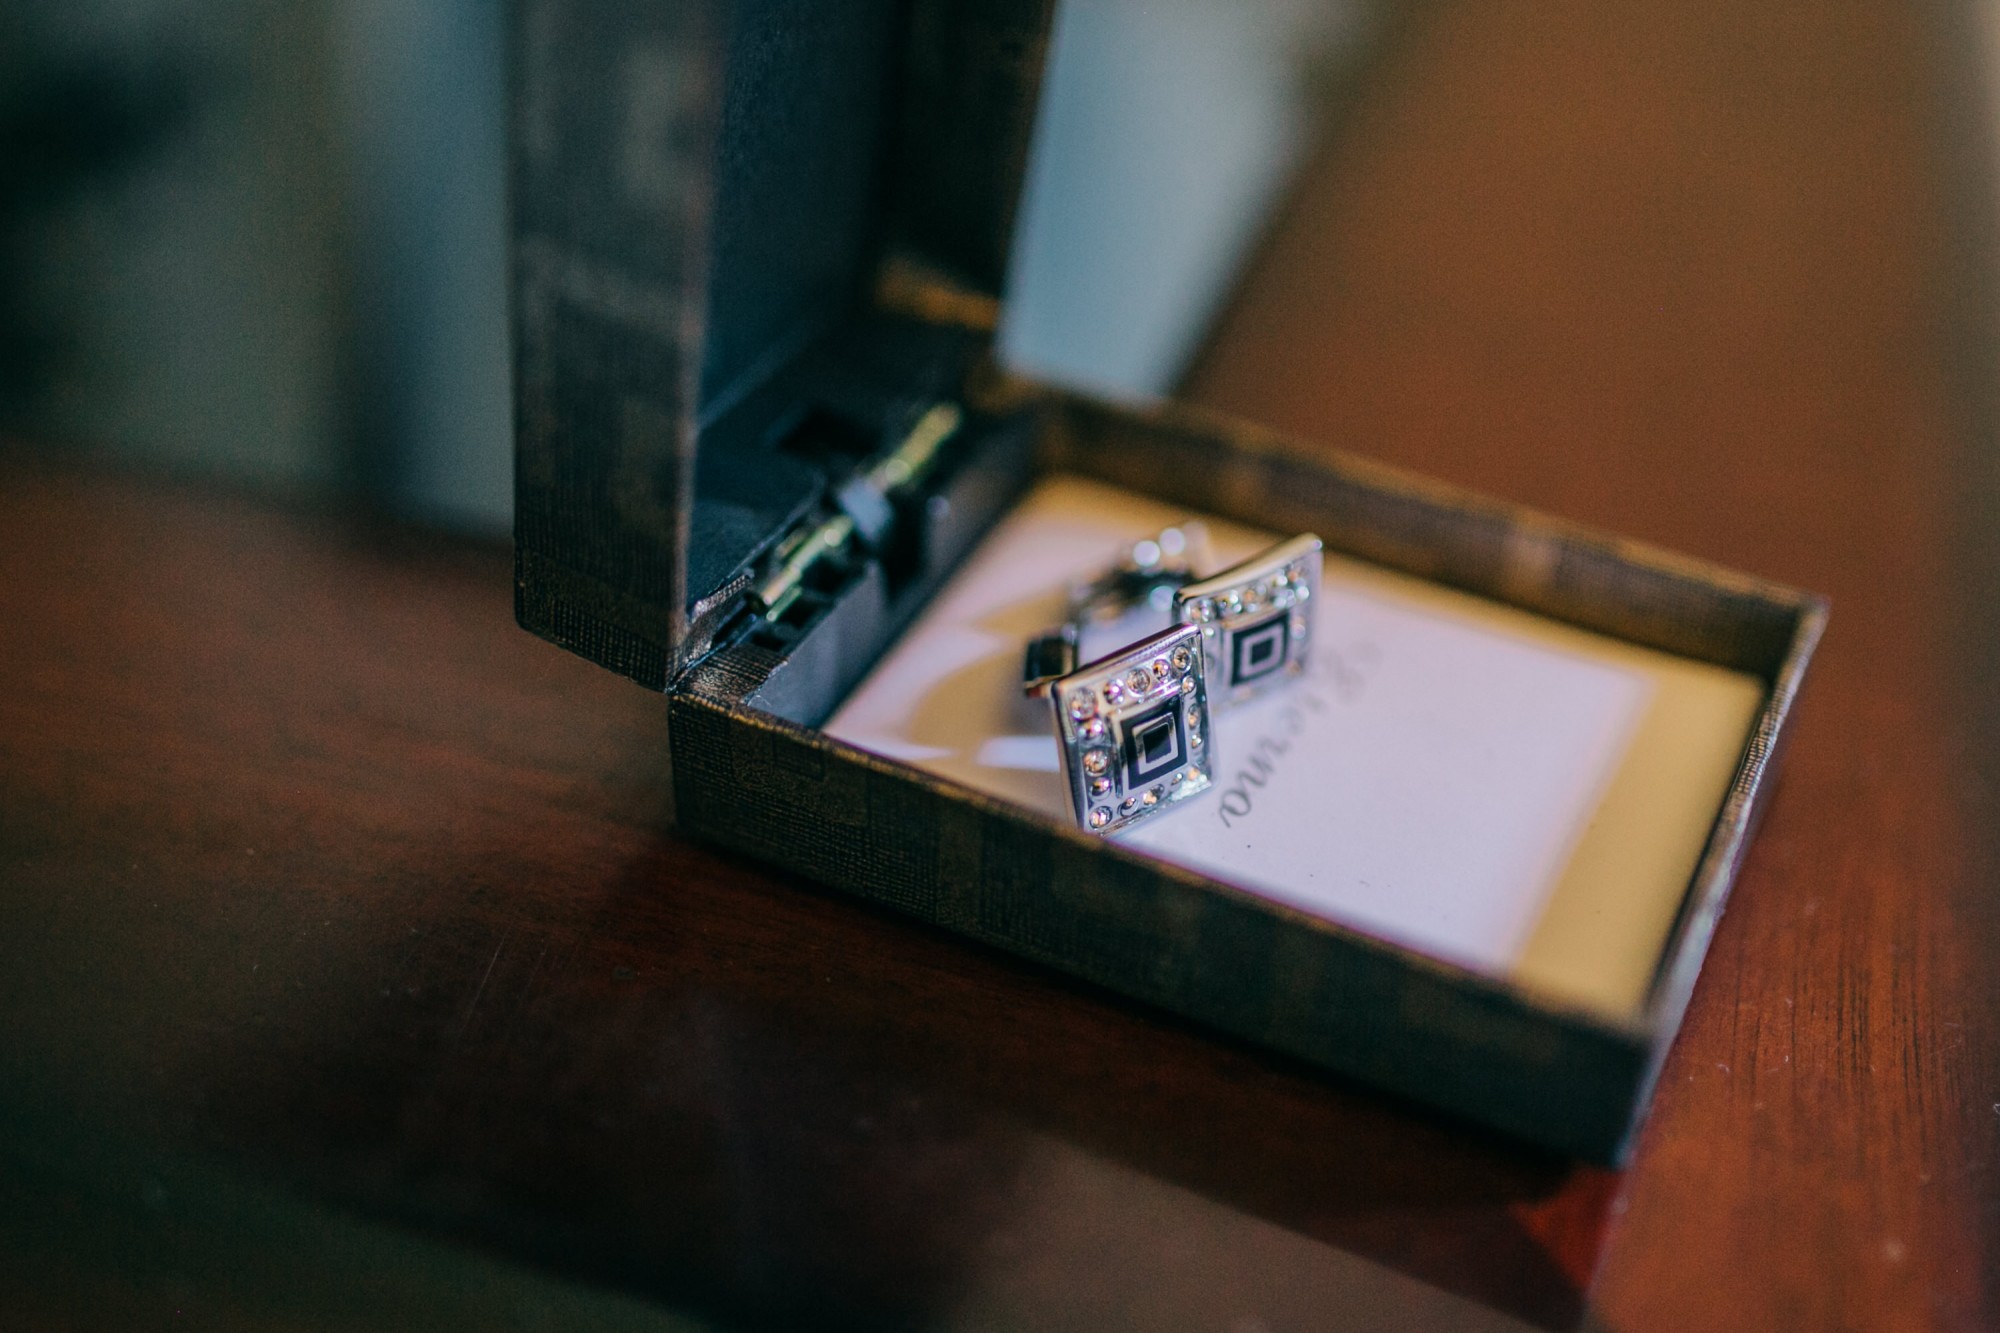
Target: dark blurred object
182,252
261,243
77,125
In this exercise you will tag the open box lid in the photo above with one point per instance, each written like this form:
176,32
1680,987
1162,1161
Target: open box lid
717,206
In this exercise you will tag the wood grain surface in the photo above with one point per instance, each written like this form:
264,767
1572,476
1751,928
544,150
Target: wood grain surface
351,975
1713,276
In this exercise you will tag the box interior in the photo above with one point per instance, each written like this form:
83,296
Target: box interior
1473,781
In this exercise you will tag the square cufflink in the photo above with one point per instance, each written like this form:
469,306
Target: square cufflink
1255,619
1134,730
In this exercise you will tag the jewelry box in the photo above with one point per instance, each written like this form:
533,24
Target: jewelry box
759,255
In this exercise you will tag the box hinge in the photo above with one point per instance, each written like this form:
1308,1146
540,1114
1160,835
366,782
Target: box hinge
865,513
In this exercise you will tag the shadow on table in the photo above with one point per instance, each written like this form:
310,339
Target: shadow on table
750,1100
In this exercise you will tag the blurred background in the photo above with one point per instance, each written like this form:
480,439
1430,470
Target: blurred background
262,239
265,239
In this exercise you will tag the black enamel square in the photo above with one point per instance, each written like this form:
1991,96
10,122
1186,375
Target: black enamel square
1155,745
1258,650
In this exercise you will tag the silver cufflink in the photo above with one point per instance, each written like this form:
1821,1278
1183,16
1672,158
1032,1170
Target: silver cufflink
1255,618
1133,725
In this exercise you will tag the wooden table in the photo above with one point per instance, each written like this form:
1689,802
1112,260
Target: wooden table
351,975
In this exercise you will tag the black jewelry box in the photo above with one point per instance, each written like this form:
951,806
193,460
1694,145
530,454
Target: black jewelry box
755,240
